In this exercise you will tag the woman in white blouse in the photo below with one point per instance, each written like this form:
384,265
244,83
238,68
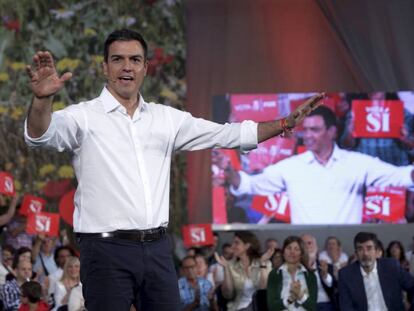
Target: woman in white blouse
69,281
246,272
292,286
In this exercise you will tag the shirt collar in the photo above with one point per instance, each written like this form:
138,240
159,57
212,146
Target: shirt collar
374,270
110,103
337,153
284,268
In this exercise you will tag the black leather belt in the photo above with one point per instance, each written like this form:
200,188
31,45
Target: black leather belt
147,235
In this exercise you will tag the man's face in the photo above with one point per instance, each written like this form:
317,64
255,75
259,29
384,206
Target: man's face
310,245
7,257
63,255
125,69
189,269
367,254
48,245
316,136
271,244
24,270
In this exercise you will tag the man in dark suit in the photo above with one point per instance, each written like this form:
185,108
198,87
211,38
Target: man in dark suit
372,284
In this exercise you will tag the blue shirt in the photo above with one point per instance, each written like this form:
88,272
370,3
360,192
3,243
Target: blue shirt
187,293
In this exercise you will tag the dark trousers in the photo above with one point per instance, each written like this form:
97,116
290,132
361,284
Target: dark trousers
325,306
117,273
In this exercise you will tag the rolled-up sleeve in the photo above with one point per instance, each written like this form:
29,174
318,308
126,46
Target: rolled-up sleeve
62,134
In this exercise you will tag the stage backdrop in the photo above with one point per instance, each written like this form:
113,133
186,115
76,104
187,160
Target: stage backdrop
268,46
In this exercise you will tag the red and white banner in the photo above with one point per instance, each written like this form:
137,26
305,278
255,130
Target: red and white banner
378,118
46,223
31,204
67,206
256,107
276,205
7,184
386,204
269,152
197,235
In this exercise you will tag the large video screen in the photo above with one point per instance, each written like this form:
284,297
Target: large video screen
349,164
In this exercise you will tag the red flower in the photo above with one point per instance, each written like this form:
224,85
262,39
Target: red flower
12,25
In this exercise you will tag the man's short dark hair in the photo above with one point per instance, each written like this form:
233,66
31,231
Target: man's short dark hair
32,290
363,237
124,35
187,258
327,115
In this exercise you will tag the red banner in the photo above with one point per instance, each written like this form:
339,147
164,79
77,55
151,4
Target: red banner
46,223
276,205
219,205
378,118
270,151
7,184
386,204
31,204
259,107
67,206
197,235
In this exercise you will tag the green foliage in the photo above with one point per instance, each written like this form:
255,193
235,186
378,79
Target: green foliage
74,31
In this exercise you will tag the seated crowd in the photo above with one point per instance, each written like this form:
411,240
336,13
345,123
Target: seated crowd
298,276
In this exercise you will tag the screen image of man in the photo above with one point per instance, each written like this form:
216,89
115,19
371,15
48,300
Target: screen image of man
325,184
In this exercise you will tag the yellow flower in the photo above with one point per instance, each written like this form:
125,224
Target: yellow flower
3,110
97,59
46,169
4,76
65,171
167,93
89,32
18,66
68,64
16,113
58,106
39,185
17,185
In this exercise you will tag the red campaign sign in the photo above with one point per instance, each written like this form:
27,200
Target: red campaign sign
387,204
259,107
67,206
46,223
219,205
378,118
301,149
197,235
276,205
31,204
7,184
270,152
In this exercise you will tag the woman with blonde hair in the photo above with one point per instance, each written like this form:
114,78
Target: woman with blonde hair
70,280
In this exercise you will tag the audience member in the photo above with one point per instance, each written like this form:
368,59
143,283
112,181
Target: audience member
277,258
271,243
246,272
15,233
31,293
10,292
43,254
7,256
396,250
333,254
292,286
62,253
77,302
380,250
371,283
70,279
202,269
196,292
11,209
410,256
324,272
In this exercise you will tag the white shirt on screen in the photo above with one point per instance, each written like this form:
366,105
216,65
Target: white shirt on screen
373,290
325,194
122,164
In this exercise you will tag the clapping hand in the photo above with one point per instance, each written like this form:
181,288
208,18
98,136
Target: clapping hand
221,260
296,290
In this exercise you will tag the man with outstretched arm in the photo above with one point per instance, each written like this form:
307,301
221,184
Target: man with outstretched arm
122,147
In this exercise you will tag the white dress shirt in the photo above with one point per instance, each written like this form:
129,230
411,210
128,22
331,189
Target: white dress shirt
122,164
325,194
373,290
287,281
